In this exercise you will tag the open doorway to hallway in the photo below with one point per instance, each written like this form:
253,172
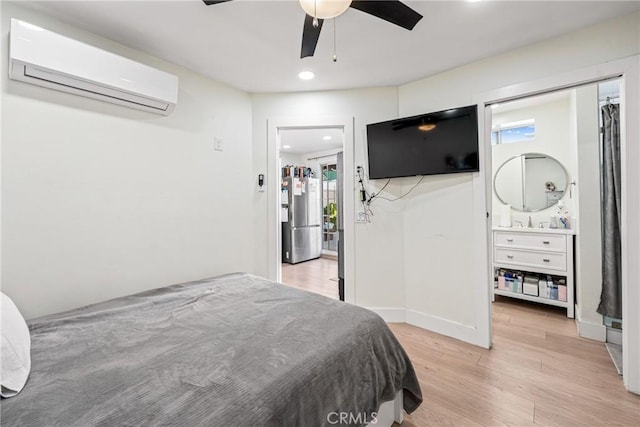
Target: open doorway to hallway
311,185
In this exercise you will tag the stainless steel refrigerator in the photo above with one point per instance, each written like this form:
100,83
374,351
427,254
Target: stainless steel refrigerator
301,210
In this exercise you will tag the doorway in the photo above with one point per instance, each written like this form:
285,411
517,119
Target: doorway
627,71
310,146
549,194
308,158
329,208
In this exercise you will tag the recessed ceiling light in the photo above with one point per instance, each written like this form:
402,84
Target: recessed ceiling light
326,137
306,75
286,147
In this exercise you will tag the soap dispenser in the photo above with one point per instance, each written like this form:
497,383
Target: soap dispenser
563,216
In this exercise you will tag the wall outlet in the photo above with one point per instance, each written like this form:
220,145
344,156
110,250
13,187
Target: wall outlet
361,217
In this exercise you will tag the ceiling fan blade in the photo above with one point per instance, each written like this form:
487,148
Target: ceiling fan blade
390,10
310,35
210,2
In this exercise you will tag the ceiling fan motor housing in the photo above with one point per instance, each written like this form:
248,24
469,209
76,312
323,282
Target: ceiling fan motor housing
325,9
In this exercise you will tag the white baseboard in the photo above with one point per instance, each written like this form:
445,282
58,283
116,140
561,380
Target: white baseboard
435,324
614,336
592,331
390,315
446,327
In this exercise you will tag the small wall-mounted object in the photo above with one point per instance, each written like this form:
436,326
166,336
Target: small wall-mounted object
261,182
44,58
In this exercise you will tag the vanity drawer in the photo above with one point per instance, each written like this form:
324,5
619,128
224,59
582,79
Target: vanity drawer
537,241
548,260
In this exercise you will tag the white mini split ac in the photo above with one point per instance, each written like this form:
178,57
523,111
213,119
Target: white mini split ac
44,58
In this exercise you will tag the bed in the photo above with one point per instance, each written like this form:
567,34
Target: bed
231,350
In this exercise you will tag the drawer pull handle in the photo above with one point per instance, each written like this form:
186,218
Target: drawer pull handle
545,259
509,240
546,242
510,256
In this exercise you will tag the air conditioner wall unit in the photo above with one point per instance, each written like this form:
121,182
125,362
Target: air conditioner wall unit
47,59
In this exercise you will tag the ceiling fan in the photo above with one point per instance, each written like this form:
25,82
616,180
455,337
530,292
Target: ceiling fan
318,10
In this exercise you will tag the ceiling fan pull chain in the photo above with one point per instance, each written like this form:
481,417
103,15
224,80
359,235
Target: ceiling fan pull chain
335,55
315,14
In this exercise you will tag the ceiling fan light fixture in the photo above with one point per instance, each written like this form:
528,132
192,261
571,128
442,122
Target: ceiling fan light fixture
325,9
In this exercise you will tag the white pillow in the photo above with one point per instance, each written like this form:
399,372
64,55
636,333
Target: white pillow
15,349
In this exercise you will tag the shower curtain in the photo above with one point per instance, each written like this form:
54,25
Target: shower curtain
611,296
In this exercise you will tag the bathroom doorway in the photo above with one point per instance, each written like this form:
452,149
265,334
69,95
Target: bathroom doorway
549,188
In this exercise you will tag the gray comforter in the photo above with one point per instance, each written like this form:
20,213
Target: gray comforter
236,350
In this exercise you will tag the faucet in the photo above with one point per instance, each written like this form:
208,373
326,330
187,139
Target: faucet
520,225
530,224
542,223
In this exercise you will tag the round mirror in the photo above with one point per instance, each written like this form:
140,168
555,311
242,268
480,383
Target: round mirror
530,182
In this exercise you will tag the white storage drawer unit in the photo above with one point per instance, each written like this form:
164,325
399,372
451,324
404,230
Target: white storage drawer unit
541,251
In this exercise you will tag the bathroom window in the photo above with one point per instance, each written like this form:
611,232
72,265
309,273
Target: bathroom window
507,133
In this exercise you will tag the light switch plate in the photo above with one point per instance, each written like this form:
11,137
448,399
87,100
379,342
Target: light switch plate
218,144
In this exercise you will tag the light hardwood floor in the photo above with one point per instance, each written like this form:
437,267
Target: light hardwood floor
539,372
318,275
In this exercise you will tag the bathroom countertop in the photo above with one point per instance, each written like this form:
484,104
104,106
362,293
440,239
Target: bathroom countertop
569,231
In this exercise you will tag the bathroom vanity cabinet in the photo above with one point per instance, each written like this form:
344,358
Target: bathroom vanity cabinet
535,253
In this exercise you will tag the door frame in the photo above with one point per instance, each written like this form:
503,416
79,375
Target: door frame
628,70
274,237
322,165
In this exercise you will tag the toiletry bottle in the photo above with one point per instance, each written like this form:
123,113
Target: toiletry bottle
563,216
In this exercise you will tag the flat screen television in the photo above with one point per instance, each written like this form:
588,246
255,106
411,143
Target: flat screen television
428,144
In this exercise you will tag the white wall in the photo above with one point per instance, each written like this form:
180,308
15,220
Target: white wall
379,273
438,220
101,201
291,159
437,236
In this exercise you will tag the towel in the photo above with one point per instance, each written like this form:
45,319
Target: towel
505,215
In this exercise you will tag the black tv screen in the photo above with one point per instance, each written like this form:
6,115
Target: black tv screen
428,144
